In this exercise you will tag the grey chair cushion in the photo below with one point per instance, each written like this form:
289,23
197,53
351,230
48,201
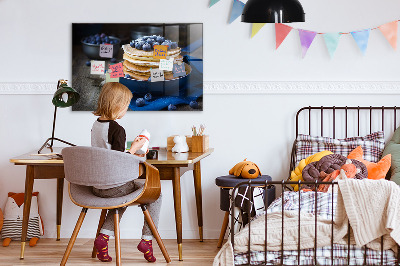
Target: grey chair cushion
99,167
83,196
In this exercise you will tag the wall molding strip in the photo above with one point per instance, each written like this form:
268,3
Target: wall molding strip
244,87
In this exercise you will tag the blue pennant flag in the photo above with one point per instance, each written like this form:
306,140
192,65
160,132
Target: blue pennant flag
213,2
237,9
361,38
332,41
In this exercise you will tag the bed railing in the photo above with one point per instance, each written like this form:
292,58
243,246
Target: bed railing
265,185
343,118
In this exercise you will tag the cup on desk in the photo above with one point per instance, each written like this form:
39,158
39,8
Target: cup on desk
152,155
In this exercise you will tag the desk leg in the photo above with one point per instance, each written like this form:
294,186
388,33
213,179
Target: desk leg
199,204
60,190
27,206
176,182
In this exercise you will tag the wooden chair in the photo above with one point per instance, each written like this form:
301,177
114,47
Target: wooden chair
85,167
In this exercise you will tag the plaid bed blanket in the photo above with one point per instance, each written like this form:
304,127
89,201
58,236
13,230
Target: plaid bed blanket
322,204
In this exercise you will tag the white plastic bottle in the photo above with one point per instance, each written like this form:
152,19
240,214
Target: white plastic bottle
144,134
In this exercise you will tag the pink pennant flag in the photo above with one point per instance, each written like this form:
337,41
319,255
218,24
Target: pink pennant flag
389,30
281,31
306,39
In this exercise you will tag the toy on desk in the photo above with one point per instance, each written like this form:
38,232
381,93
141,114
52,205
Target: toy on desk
13,215
245,169
144,134
180,144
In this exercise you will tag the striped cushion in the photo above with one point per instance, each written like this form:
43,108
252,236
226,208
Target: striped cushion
13,228
372,145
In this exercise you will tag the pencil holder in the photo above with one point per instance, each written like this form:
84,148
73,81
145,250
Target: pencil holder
200,143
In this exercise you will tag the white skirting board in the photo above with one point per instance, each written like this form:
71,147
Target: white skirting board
246,87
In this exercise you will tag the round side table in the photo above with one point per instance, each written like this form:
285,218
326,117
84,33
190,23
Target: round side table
228,182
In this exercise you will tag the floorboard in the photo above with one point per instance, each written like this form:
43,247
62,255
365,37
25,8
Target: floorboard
49,252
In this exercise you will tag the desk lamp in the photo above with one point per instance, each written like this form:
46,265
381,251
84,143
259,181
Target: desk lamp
65,96
273,11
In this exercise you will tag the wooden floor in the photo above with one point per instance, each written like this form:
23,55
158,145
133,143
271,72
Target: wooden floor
50,252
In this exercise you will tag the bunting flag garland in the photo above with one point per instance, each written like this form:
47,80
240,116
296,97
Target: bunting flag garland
281,31
389,30
306,39
213,2
256,27
237,9
361,38
332,41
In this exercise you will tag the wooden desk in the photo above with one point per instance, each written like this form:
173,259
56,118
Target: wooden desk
171,167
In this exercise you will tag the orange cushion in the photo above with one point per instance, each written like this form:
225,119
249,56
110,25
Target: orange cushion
375,170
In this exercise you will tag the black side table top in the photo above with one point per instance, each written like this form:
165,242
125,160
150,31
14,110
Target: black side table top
230,181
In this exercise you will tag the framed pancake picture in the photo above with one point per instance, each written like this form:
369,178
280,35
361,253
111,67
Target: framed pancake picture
161,64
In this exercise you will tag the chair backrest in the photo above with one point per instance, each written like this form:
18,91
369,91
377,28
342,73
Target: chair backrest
91,166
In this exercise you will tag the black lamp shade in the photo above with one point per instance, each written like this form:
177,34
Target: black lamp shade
73,96
273,11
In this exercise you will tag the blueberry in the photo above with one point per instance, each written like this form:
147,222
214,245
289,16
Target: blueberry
147,47
166,44
139,45
113,60
132,44
174,45
97,35
160,39
92,42
88,63
107,39
140,102
103,35
148,97
149,40
156,43
171,107
127,76
194,104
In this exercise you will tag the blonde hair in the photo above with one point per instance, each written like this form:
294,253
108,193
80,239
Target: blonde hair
113,98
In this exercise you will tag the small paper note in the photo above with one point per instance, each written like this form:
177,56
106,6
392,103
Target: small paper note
160,51
106,50
109,79
166,64
116,71
97,67
179,70
157,75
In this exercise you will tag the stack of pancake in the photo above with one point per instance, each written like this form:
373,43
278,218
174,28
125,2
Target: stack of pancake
138,63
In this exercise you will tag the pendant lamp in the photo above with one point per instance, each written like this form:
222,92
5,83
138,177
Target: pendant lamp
273,11
64,96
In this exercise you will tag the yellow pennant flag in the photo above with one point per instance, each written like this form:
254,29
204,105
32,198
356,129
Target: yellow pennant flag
256,27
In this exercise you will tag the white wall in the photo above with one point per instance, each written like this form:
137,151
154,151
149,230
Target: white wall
35,39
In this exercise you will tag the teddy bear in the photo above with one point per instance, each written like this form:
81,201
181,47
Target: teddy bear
13,215
180,144
245,169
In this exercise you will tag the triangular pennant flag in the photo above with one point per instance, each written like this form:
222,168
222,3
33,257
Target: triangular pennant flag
361,37
306,39
237,9
332,41
281,31
256,27
213,2
390,32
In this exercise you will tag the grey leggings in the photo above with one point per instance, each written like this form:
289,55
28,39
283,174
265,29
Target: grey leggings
154,208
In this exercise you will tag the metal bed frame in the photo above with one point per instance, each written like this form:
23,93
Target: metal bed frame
283,184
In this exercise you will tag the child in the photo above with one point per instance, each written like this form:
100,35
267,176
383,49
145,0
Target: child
113,103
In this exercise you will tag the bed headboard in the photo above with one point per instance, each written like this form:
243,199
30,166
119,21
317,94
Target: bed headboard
344,121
